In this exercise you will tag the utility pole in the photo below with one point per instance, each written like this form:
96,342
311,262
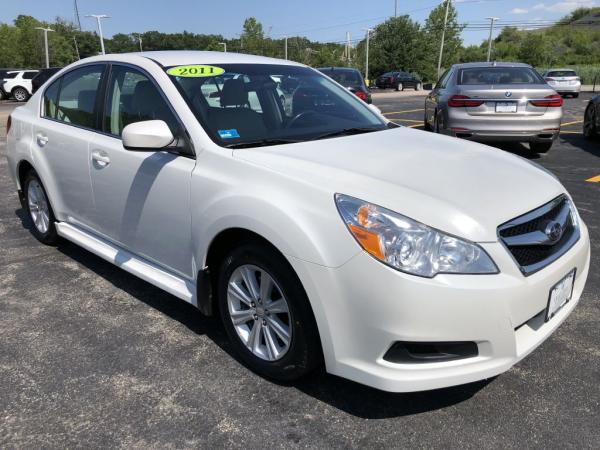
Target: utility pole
45,30
492,20
347,49
368,31
286,55
77,16
439,67
76,48
99,17
224,44
395,8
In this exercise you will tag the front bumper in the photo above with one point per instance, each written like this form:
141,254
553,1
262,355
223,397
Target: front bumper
363,307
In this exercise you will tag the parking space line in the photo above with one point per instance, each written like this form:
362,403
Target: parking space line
570,132
571,123
414,126
595,179
409,120
402,112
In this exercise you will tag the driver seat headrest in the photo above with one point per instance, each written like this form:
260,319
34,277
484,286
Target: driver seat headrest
234,93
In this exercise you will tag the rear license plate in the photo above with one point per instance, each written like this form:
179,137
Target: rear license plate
506,107
560,294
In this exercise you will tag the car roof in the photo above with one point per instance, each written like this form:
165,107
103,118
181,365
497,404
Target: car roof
182,57
490,64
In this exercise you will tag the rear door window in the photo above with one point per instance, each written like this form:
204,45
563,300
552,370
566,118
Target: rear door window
10,75
78,94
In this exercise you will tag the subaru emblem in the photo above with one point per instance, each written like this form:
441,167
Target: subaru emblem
508,94
553,231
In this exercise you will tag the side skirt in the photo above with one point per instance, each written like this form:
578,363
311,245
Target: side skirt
146,270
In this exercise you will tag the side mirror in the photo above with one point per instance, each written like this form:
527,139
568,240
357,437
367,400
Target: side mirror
147,135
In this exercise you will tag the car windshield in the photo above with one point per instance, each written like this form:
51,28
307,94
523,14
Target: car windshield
343,76
499,75
561,73
248,105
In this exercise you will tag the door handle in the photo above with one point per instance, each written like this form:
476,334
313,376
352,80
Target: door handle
42,139
100,158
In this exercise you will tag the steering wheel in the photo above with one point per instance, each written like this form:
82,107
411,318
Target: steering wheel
300,116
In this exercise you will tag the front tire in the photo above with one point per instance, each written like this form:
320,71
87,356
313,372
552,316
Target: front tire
39,210
20,94
418,87
266,313
540,147
399,86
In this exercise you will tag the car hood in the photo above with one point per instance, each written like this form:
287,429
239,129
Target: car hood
460,187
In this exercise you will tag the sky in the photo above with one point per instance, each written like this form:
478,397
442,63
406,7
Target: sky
321,20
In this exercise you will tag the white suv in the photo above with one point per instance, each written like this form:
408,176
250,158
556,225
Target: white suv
318,231
17,84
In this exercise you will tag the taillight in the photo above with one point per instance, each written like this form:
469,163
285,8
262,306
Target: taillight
8,124
362,95
549,101
460,101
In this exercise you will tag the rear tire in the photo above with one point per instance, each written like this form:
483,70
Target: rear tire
255,262
426,125
418,87
589,123
39,210
540,147
20,94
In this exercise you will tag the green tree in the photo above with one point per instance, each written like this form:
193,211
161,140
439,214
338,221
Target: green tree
252,36
433,28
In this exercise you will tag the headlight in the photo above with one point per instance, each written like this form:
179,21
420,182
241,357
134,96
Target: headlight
408,245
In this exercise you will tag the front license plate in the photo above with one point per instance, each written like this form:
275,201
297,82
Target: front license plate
506,107
560,294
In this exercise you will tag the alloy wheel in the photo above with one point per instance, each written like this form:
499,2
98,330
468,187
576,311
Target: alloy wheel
20,95
38,206
259,312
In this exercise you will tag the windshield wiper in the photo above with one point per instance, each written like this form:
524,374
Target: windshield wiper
261,143
346,132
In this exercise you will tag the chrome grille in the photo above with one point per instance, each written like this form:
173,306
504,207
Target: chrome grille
541,236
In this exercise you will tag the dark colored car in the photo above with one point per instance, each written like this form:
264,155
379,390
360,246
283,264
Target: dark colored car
351,79
399,80
591,120
43,76
4,95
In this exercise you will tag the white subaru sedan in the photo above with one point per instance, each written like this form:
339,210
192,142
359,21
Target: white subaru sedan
317,230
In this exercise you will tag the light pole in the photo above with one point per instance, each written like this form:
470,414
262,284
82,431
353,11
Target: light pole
224,44
139,36
45,30
368,32
286,47
492,20
395,8
439,67
98,17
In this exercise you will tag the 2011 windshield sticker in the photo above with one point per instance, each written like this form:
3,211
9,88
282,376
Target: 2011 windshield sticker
196,71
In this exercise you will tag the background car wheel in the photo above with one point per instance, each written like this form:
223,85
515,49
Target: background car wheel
399,87
418,87
266,313
540,147
2,95
576,95
39,210
589,123
436,123
20,94
426,124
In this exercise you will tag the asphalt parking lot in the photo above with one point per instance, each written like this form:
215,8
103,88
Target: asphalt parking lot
91,356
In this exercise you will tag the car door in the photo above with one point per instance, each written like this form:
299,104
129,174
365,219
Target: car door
142,198
62,135
432,100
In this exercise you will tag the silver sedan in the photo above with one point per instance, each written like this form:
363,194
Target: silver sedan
492,102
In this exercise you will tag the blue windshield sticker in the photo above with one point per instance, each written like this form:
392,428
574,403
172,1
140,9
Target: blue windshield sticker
228,134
